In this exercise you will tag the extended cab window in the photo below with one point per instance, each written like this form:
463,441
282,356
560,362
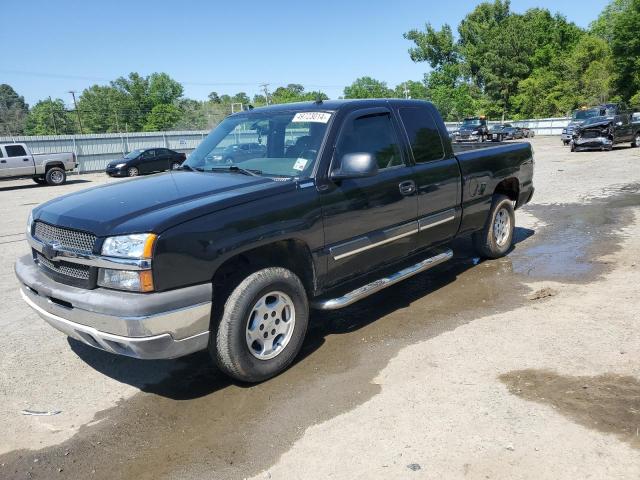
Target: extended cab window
372,134
15,151
423,134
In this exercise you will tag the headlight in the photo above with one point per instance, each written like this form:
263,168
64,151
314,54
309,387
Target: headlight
29,223
120,165
140,281
139,245
475,132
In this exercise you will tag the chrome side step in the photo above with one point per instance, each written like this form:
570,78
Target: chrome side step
377,285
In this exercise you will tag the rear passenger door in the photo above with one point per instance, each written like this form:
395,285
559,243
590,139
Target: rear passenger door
437,176
369,221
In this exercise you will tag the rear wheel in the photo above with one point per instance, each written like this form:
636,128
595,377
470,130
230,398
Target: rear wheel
496,237
133,172
262,326
175,166
636,140
55,176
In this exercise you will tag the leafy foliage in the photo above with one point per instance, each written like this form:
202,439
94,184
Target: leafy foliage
13,111
49,117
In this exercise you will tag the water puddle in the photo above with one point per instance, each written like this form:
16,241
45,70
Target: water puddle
608,403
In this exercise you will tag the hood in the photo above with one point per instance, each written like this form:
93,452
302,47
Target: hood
154,203
604,122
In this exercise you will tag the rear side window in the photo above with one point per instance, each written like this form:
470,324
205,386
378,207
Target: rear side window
375,135
423,134
15,151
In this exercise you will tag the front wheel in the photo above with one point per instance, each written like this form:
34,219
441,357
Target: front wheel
636,140
262,326
496,237
55,176
133,172
175,166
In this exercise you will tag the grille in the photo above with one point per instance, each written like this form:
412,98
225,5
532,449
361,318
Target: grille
70,239
591,134
80,272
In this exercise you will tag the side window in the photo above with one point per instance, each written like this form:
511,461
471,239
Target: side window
372,134
1,153
15,151
423,134
149,154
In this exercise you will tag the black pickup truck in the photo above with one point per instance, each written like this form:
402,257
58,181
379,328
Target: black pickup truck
346,198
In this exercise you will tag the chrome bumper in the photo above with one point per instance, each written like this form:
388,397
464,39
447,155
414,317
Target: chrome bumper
149,326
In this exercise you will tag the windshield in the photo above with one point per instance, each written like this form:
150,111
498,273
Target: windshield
584,114
133,154
470,122
279,144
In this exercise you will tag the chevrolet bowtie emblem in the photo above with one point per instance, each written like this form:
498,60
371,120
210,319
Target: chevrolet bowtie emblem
50,250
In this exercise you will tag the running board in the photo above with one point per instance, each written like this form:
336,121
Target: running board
377,285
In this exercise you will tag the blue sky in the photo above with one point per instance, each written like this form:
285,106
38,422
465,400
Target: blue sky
52,47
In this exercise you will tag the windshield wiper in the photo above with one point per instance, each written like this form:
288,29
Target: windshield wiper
234,168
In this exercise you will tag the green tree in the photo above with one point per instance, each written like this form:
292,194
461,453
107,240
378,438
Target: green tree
214,98
162,117
410,89
625,47
603,26
49,117
13,111
163,89
367,87
108,109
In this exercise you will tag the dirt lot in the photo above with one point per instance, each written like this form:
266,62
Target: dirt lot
523,367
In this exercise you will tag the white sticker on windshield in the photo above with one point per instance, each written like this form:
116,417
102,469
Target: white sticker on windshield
318,117
300,164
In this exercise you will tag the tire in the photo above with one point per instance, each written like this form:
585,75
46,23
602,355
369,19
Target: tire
573,146
175,166
39,180
636,140
55,176
133,172
495,241
229,343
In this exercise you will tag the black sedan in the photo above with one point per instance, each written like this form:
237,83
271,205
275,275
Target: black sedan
146,160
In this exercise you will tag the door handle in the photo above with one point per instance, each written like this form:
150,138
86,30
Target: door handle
407,187
25,159
3,161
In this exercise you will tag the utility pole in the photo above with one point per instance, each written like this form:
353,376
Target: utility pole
406,91
73,94
266,91
53,117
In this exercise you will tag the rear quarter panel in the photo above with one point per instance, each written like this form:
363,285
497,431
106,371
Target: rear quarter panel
483,169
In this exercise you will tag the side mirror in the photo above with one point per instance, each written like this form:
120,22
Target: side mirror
356,165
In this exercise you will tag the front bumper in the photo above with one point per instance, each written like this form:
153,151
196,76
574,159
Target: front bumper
592,143
149,326
116,172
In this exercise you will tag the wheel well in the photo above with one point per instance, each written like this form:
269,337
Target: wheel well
291,254
509,187
49,166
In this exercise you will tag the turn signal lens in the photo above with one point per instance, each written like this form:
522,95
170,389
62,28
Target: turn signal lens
132,281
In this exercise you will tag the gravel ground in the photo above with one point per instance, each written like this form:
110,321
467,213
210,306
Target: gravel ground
523,367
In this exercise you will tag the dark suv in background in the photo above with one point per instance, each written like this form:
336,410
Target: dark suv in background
147,160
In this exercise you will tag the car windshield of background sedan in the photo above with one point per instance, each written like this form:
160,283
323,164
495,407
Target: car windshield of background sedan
133,154
471,122
279,144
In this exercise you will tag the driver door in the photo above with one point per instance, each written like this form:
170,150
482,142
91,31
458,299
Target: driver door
370,221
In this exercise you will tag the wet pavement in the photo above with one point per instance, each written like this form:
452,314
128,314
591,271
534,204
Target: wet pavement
196,421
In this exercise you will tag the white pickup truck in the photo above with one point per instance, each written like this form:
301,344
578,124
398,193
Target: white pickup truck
44,168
